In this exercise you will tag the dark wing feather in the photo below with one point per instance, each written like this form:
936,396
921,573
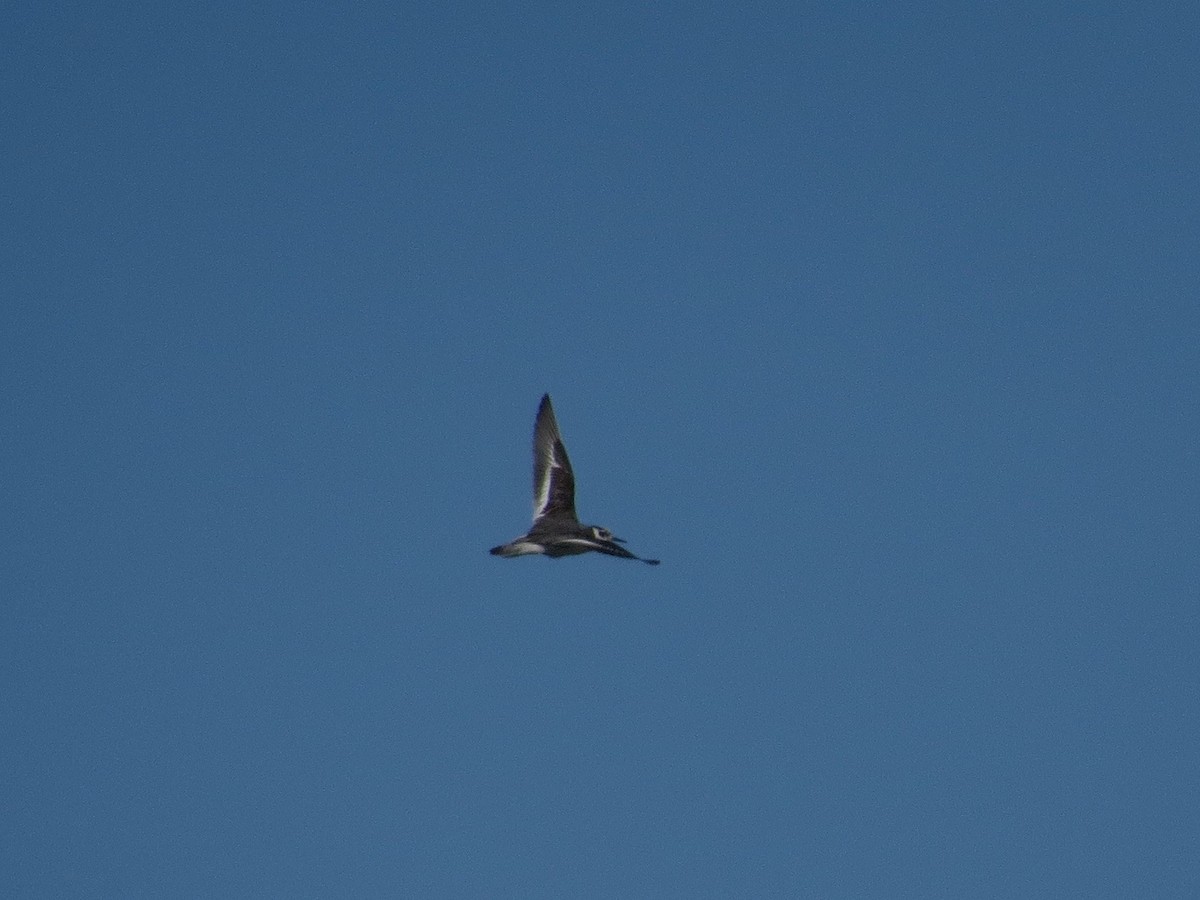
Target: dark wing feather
602,546
553,480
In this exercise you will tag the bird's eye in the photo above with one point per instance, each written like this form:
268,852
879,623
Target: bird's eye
602,533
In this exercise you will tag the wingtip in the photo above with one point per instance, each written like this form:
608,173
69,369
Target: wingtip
545,414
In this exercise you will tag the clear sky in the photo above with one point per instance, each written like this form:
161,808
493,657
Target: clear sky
878,323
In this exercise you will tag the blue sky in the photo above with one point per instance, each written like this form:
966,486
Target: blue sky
879,326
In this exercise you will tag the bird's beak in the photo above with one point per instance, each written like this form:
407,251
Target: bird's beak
618,540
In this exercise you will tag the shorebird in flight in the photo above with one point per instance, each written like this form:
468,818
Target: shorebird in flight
556,530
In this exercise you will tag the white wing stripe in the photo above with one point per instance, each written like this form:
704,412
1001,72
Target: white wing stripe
543,496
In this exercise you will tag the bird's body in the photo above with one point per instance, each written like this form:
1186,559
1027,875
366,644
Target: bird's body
556,529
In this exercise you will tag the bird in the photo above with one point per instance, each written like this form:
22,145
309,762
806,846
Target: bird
556,530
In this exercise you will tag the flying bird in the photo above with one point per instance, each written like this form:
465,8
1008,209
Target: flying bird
556,530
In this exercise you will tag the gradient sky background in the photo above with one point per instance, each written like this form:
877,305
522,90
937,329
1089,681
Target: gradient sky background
879,324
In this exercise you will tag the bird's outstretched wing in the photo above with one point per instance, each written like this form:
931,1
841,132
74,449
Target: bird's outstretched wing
609,547
553,480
